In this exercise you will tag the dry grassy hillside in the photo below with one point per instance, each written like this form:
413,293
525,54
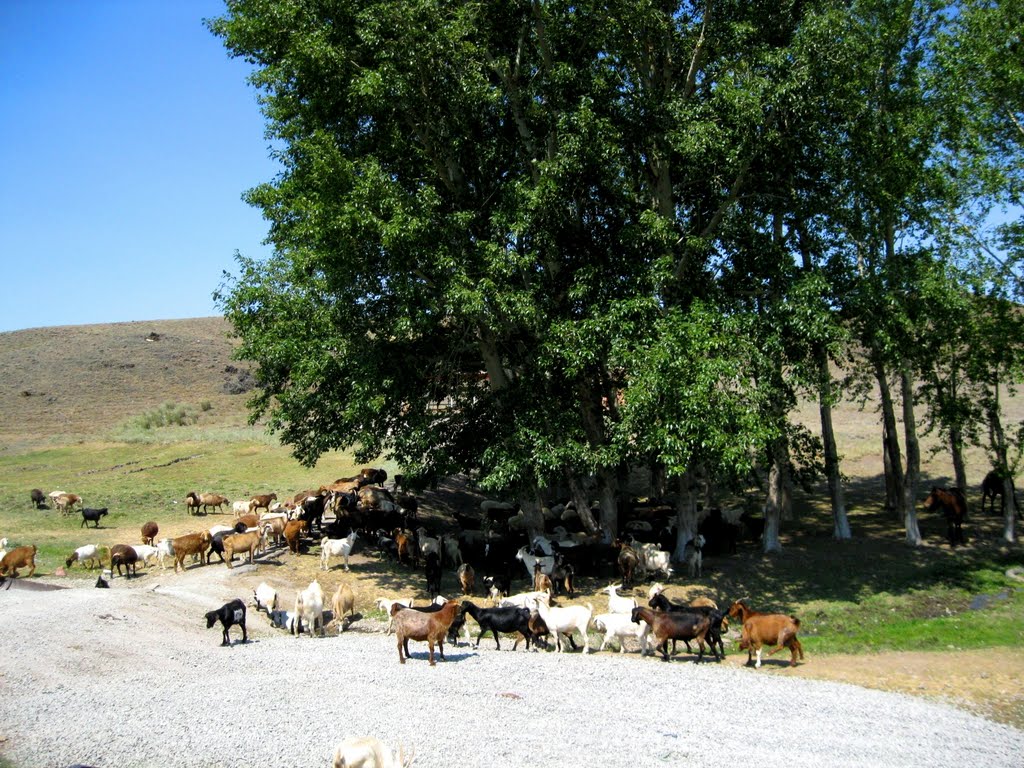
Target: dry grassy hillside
78,382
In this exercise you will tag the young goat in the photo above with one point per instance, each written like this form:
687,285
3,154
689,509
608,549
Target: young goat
265,597
336,548
431,627
761,629
229,615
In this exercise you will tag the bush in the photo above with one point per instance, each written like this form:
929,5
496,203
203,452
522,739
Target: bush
167,415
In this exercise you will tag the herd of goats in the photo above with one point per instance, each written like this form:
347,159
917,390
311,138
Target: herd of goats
492,543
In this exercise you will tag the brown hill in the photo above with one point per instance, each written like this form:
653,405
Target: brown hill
79,382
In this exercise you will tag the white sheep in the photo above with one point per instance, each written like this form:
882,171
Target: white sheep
336,548
89,552
618,603
619,626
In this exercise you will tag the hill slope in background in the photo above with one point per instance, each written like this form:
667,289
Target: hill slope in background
81,382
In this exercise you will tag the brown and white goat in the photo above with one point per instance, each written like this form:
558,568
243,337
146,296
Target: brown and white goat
761,629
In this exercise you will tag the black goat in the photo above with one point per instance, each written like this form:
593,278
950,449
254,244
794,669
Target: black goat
229,614
38,499
714,634
501,619
92,516
433,569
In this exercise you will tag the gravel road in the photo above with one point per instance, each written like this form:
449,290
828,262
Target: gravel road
131,676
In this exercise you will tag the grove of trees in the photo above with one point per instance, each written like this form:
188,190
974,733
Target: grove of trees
545,242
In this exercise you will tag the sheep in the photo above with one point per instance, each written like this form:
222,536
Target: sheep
123,555
431,627
618,603
92,516
149,532
88,552
240,508
565,619
265,597
674,626
189,544
386,605
343,603
368,752
38,499
19,557
241,542
336,548
309,605
229,615
508,619
467,578
761,629
620,626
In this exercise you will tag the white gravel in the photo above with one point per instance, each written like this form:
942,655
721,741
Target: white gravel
131,676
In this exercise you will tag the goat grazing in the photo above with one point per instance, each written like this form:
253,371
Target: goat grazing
761,629
431,627
265,597
229,615
19,557
149,532
343,604
89,552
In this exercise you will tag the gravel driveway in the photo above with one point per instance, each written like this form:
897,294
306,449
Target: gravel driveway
131,676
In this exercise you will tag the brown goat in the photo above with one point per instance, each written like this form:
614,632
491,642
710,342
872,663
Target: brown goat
241,542
667,626
190,544
767,629
432,627
207,500
262,501
343,603
541,581
192,503
467,578
66,502
149,532
19,557
293,531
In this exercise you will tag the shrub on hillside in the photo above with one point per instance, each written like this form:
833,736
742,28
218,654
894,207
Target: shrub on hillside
167,415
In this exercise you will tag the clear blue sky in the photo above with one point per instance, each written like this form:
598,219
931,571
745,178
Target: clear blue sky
127,137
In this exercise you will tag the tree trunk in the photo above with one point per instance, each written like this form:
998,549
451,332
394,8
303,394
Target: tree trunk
840,521
579,497
997,442
913,458
607,488
530,505
956,450
776,493
890,442
686,515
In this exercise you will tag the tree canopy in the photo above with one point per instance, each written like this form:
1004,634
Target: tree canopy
542,241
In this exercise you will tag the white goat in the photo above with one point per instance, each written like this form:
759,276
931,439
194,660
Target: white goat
240,508
384,604
427,543
619,626
146,553
164,548
88,552
369,752
693,557
265,597
450,547
336,548
618,603
523,600
309,605
652,559
563,620
547,564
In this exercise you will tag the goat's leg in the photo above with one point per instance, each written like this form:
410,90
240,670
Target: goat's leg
430,645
